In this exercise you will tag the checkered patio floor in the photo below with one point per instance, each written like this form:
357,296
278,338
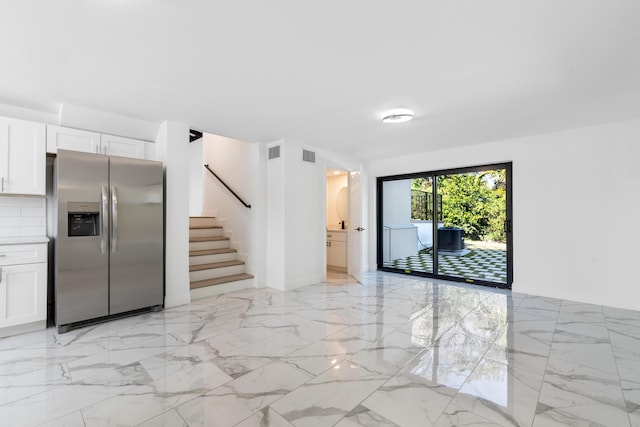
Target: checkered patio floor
481,263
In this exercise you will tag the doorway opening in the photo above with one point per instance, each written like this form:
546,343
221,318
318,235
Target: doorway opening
453,224
337,219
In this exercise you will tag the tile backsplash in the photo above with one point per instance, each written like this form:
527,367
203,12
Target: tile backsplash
22,216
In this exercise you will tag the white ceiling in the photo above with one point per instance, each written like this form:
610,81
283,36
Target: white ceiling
322,73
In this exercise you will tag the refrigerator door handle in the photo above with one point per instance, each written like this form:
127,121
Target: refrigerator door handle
104,221
114,219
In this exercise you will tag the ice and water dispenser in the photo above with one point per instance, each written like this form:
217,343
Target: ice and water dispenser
84,219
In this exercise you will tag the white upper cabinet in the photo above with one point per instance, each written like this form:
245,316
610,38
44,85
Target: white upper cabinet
72,139
124,147
92,142
22,157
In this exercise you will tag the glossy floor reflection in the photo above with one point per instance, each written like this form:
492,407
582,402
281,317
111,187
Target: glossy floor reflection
395,350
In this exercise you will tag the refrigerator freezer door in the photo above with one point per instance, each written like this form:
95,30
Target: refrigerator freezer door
82,261
137,236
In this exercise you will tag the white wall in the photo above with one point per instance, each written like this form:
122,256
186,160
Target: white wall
562,183
235,162
274,186
196,177
172,148
396,200
305,231
48,117
334,184
76,116
295,219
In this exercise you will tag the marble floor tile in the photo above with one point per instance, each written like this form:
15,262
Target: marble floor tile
580,395
363,416
518,358
408,401
186,377
330,396
57,402
133,406
277,345
454,416
597,353
387,360
500,393
267,417
371,331
239,399
113,368
166,419
71,420
449,361
393,350
21,361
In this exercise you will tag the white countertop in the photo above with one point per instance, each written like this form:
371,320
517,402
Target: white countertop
23,240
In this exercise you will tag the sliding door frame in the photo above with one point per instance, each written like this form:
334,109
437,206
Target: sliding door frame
507,166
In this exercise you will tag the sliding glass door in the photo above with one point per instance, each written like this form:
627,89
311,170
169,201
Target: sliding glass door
454,224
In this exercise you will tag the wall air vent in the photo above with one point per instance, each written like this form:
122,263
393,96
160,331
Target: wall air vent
308,156
274,152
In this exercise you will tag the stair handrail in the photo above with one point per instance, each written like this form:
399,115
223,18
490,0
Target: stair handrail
246,205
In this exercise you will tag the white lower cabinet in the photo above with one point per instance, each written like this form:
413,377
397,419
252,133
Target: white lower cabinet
23,288
337,250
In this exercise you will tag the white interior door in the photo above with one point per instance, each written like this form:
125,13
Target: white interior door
355,227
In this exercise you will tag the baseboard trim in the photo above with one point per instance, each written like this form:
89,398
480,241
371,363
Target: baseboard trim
39,325
177,300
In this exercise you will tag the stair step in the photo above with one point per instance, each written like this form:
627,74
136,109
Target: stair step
219,280
208,244
205,231
202,221
212,252
212,255
214,270
198,267
207,239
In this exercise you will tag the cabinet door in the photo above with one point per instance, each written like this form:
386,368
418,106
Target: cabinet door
23,294
22,157
72,139
123,147
337,253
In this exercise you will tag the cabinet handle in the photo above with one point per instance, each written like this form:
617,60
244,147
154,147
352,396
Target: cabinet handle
104,217
3,255
0,275
3,184
114,219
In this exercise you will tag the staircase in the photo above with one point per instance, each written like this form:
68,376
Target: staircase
213,265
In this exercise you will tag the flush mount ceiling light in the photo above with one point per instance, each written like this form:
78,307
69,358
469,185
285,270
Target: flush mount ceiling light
397,116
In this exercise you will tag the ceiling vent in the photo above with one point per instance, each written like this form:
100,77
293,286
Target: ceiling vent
274,152
308,156
194,135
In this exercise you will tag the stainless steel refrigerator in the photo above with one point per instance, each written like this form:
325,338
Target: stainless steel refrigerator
109,246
